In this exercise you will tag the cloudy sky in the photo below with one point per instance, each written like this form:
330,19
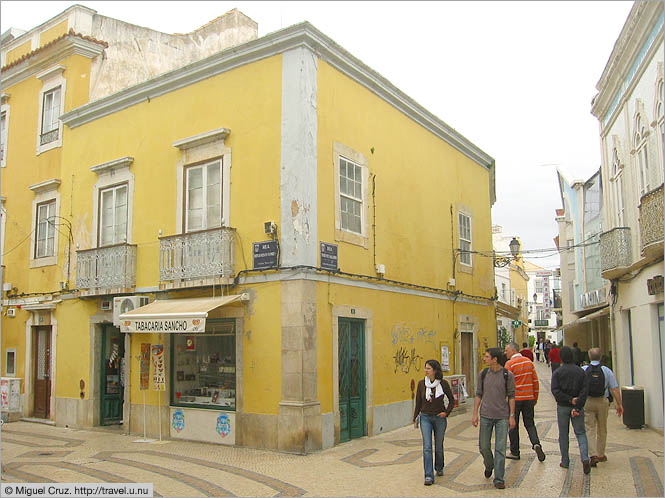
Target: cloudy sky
515,78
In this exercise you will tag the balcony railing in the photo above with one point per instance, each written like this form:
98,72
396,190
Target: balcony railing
197,255
651,222
48,137
615,252
105,269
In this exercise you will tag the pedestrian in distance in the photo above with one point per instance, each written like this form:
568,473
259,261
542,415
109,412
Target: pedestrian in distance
495,397
570,387
526,396
546,349
526,351
601,381
540,352
432,416
555,359
577,355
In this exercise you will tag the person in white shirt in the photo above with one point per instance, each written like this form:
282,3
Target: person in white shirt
597,408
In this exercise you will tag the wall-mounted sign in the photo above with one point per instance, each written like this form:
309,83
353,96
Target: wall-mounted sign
329,256
655,285
144,366
266,255
541,323
183,325
594,298
445,359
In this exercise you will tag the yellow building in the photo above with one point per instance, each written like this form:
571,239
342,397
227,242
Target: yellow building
259,248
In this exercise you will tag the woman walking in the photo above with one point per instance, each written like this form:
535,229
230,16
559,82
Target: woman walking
432,415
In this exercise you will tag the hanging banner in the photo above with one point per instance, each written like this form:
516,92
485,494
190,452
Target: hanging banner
445,359
144,367
158,382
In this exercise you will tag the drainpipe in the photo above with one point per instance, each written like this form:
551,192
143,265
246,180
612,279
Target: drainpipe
614,288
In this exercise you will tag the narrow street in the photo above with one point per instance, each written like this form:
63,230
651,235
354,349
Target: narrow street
386,465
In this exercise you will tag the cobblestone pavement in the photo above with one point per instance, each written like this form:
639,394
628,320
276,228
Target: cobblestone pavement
386,465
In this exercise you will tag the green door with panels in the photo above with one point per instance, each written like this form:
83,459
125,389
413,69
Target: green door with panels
112,390
351,359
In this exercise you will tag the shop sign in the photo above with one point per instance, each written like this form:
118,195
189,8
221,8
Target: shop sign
594,298
178,420
542,323
266,255
181,325
144,366
158,378
223,425
329,257
655,285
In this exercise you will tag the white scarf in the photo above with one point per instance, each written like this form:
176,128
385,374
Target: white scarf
431,385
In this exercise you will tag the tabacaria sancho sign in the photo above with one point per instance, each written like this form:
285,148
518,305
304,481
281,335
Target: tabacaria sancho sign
179,325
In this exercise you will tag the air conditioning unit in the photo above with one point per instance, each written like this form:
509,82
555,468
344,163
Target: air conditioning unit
127,303
11,312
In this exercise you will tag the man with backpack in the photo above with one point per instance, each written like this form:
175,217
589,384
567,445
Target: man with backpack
601,382
496,392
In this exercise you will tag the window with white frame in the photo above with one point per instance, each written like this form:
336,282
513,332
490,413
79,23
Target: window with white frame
113,215
539,285
10,362
45,239
350,195
465,242
50,116
641,151
203,196
3,135
617,187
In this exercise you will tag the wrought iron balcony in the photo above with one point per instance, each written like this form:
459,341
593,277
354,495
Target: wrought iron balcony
49,136
106,270
651,223
616,253
197,258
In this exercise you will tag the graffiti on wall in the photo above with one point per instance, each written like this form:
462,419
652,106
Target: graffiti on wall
403,334
405,360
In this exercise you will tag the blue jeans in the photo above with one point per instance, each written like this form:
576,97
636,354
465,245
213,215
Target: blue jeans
498,460
428,424
564,418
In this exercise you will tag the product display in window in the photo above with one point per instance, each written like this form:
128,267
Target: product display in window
205,370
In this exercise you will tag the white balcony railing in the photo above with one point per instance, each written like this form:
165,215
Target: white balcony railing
651,222
110,267
616,254
204,254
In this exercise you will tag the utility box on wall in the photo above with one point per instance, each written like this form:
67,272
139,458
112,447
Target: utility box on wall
10,399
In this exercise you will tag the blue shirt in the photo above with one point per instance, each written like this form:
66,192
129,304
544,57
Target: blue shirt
610,381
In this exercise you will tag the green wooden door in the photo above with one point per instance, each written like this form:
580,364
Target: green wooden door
112,391
351,358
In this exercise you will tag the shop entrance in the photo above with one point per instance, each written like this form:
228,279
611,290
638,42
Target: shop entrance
112,391
351,359
42,362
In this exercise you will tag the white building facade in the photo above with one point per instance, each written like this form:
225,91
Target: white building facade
629,107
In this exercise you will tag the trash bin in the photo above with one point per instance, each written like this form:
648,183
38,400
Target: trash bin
633,406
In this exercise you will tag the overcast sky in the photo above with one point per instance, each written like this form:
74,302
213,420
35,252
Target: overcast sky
515,78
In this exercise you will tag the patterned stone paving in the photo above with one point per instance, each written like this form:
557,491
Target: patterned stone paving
386,465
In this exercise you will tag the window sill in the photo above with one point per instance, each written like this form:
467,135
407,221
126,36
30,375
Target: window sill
46,261
351,238
51,145
466,268
204,407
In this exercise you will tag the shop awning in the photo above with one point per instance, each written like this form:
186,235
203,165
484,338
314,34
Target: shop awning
174,316
591,316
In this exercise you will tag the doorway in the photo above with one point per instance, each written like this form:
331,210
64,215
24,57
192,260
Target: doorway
42,372
466,339
351,362
112,389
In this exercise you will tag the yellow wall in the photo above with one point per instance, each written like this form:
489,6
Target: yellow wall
52,33
18,52
520,285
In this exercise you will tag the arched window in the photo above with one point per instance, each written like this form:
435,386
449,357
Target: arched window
617,187
640,144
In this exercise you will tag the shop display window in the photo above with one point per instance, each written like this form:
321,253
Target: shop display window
203,367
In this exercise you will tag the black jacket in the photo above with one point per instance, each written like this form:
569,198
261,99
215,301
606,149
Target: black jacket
568,382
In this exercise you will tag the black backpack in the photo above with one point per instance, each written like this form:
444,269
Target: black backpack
483,374
596,378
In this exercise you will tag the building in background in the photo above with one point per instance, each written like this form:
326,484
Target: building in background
511,290
629,108
253,194
543,318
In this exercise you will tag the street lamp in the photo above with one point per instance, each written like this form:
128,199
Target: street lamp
514,247
503,261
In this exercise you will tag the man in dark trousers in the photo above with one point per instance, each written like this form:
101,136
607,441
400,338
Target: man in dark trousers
496,390
554,358
570,387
